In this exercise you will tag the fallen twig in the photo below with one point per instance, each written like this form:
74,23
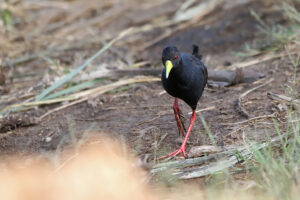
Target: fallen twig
258,60
92,93
204,109
84,95
224,163
280,97
148,121
236,130
241,108
195,161
242,152
251,119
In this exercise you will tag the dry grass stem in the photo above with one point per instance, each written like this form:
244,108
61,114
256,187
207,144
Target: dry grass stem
240,106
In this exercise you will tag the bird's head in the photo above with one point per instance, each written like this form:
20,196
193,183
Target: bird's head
170,58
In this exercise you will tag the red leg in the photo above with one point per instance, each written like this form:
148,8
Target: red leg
182,147
178,114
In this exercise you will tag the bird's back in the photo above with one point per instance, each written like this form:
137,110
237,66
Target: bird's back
191,61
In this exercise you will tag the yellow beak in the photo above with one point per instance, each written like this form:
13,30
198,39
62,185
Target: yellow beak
169,67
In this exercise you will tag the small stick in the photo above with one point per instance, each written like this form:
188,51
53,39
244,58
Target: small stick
204,109
85,95
242,109
280,97
148,121
274,96
189,162
244,151
258,60
236,130
205,170
251,119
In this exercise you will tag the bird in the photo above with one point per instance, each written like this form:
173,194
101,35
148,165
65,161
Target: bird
184,76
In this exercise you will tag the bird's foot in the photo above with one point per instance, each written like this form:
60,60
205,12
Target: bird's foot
175,153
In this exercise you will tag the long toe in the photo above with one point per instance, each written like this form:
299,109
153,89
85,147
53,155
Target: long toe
175,153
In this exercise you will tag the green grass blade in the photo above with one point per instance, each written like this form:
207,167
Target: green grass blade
80,68
73,89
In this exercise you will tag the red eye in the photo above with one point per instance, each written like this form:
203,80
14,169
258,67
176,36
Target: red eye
175,58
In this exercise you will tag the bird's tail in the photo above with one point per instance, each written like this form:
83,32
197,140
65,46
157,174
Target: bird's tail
196,52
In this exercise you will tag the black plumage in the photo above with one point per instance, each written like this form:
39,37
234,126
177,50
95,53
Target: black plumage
187,78
184,76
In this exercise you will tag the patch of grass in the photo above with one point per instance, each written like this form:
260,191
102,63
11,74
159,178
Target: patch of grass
74,88
277,36
6,17
277,168
6,14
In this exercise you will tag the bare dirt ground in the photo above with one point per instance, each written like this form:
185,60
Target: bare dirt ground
140,114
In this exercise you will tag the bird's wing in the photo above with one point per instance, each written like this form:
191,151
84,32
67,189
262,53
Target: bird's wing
199,64
191,60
